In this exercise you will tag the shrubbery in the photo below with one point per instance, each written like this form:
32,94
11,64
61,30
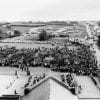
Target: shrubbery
98,42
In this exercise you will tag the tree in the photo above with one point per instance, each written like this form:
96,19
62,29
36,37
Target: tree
98,42
43,35
1,34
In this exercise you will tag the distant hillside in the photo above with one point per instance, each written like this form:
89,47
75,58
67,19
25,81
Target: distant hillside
37,24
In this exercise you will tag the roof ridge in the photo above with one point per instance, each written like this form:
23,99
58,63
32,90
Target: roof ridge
54,79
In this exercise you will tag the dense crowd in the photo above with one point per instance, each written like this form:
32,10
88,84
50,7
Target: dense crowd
72,57
71,83
32,81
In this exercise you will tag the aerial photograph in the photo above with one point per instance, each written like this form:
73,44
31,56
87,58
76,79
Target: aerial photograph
49,50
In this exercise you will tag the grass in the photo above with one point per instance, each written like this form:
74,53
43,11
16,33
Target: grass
26,45
21,29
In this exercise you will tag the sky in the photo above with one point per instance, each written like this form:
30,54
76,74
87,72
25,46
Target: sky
49,10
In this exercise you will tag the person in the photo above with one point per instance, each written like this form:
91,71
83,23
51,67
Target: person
16,73
43,75
28,73
63,78
15,92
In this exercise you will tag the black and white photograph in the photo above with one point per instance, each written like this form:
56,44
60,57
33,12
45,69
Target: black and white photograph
49,49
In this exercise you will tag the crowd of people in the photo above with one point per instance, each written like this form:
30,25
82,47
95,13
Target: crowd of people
72,57
80,61
70,81
32,81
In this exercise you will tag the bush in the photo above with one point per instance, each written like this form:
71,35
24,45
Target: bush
17,33
98,42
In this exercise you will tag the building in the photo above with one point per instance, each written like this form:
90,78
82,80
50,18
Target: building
50,89
10,33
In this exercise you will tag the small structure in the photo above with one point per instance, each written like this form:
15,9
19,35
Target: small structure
10,33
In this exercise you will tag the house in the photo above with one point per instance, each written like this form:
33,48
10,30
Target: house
10,33
50,89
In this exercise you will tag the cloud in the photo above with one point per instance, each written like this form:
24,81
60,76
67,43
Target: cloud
49,9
